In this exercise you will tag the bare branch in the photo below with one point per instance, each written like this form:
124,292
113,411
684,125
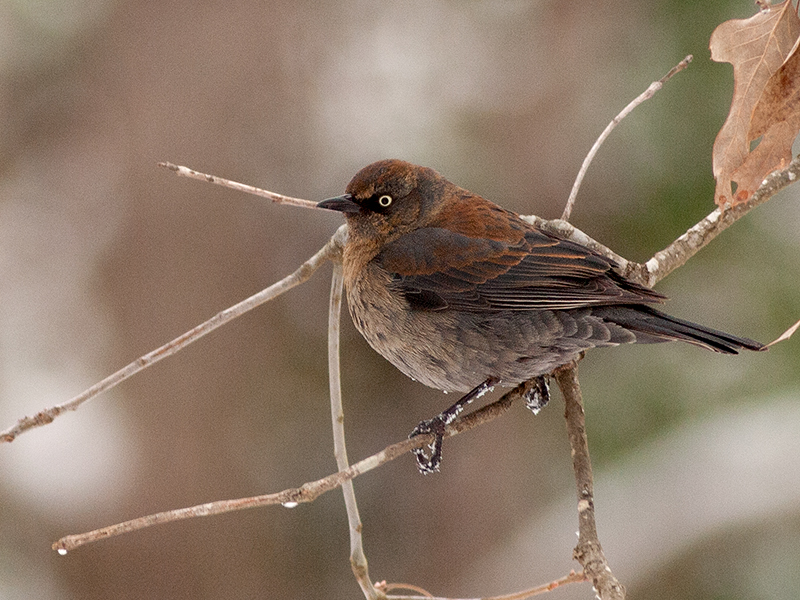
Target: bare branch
573,577
567,230
588,552
698,236
646,95
240,187
308,492
358,560
304,272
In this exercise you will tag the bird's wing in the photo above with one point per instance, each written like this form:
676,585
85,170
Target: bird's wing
437,268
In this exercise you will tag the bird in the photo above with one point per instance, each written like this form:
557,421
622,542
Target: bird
463,295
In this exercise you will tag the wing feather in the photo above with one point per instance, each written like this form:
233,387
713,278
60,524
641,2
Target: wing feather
436,268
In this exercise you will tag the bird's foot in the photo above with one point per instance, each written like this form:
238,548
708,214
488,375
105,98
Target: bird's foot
429,459
429,462
537,397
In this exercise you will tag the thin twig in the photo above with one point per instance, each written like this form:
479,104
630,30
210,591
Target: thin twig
785,335
646,95
588,552
308,492
303,273
387,587
573,577
358,560
240,187
698,236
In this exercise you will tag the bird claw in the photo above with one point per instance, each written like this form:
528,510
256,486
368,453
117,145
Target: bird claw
537,397
429,462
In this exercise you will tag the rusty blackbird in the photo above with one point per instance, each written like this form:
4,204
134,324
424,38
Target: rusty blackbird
462,295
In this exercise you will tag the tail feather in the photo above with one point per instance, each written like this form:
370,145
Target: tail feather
652,325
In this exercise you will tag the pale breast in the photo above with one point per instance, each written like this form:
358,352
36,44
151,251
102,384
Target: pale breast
412,341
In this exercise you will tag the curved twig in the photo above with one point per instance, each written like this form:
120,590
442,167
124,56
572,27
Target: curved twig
644,96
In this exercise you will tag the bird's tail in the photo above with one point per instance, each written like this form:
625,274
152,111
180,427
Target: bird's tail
652,326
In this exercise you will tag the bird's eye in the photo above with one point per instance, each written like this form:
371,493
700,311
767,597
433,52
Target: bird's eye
385,200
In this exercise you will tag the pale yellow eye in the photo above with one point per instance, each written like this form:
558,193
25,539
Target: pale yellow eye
385,200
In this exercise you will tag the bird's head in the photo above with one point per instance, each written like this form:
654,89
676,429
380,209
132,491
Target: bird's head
389,198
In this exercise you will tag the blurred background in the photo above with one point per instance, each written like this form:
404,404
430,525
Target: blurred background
104,256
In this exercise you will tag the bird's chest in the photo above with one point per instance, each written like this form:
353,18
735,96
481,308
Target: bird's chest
377,311
380,313
413,341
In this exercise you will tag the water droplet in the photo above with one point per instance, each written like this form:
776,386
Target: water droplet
62,551
445,391
289,504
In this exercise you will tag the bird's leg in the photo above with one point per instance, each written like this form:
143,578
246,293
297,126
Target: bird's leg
429,463
537,397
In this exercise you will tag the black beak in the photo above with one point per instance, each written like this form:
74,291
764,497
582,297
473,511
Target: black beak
343,203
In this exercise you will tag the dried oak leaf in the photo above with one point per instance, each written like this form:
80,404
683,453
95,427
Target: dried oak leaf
776,117
765,98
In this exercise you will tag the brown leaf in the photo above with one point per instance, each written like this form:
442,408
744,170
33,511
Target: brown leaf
757,48
780,100
774,152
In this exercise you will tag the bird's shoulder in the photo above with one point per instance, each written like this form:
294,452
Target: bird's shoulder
478,256
469,230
